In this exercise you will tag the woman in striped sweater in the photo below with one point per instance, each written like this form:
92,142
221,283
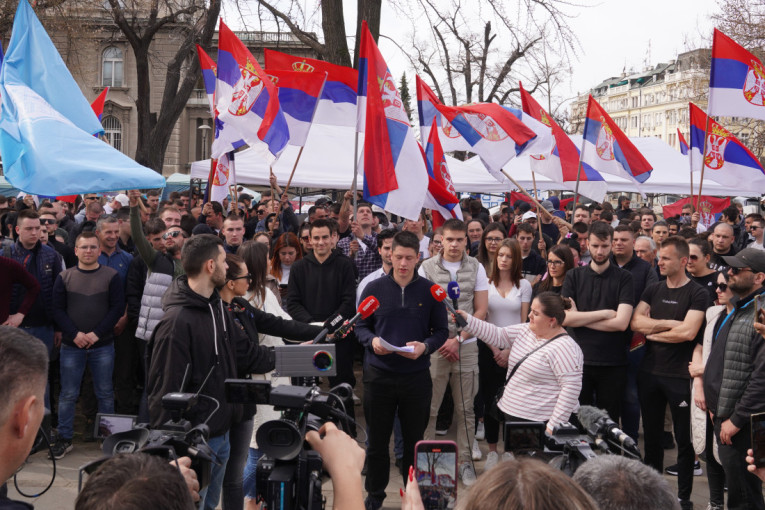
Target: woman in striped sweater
546,386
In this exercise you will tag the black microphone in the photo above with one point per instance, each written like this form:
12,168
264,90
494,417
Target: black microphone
330,326
598,423
366,308
453,289
439,294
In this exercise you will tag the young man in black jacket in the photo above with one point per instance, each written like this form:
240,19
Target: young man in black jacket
408,316
197,332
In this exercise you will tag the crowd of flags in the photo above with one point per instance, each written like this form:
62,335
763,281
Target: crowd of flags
272,107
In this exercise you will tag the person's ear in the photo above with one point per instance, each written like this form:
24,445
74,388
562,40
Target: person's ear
21,416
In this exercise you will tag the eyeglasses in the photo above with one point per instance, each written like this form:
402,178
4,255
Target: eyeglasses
754,227
261,211
173,234
437,242
494,239
737,270
554,263
722,287
305,238
248,276
47,221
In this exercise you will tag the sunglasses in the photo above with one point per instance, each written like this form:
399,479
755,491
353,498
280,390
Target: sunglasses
261,211
173,234
722,287
47,221
693,257
305,238
737,270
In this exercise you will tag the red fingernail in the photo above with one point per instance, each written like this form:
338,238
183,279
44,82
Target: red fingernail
411,473
402,492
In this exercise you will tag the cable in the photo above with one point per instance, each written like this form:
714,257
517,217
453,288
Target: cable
52,478
217,406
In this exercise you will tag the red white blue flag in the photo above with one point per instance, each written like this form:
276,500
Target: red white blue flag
727,160
337,106
608,150
490,131
98,103
736,80
247,103
683,144
441,197
427,105
561,164
209,73
395,177
299,95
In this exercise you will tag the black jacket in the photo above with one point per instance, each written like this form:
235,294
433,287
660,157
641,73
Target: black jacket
317,291
200,333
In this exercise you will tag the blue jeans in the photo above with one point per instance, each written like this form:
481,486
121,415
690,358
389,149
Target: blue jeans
211,494
44,333
250,470
73,360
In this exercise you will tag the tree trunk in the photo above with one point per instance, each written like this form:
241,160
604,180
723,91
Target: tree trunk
368,10
333,26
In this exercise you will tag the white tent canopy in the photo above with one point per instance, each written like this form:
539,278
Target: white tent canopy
327,162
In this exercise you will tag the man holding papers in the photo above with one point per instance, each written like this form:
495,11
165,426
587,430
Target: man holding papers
408,316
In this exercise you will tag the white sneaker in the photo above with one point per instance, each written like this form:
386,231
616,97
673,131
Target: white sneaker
480,431
476,450
492,459
442,432
467,474
507,456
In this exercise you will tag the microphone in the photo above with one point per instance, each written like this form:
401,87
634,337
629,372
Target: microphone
439,294
366,308
330,326
598,423
453,289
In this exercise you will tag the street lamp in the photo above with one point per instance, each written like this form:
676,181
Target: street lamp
205,129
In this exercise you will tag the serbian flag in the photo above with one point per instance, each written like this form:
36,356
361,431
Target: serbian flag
561,164
247,103
209,73
337,106
427,105
441,197
299,95
608,150
98,103
727,160
710,208
222,176
683,144
736,80
395,177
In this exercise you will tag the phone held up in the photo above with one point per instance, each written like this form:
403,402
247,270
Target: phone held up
436,472
758,438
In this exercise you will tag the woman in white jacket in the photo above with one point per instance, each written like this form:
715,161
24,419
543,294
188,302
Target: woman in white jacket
701,424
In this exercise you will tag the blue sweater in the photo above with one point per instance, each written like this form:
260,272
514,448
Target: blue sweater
408,314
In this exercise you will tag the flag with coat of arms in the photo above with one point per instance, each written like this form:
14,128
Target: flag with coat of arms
395,177
247,103
736,80
608,150
441,197
727,161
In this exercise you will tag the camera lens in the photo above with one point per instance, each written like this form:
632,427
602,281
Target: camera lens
323,360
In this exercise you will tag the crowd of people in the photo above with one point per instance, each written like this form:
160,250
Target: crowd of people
651,320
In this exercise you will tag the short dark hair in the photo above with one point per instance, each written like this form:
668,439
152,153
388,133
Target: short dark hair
323,223
680,244
455,225
526,228
216,207
659,224
25,365
29,214
601,230
624,228
135,480
580,227
703,245
406,239
647,212
361,203
152,193
87,234
384,234
154,226
607,216
582,206
688,233
197,250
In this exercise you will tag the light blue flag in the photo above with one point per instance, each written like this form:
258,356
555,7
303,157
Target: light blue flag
44,150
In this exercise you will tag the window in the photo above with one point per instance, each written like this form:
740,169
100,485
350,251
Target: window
112,65
634,121
113,132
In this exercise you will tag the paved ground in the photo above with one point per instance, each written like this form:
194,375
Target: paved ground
36,474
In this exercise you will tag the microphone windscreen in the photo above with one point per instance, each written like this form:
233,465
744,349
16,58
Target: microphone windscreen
454,290
438,293
368,306
589,415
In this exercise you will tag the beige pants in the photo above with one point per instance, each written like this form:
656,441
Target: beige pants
444,372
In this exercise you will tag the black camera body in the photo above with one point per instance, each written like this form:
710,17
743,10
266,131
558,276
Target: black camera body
288,475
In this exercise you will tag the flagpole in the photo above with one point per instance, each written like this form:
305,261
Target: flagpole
523,190
355,172
576,189
273,191
690,166
210,177
536,197
703,164
289,181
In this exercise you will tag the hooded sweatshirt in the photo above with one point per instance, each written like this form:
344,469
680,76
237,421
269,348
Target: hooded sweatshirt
200,333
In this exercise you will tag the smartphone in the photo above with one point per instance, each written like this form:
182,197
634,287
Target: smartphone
758,438
436,472
759,306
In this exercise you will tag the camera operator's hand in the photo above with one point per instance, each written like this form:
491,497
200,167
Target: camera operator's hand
189,476
759,472
411,499
343,459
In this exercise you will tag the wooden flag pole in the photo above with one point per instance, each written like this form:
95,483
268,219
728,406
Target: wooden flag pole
273,191
703,164
292,174
210,178
539,206
355,172
536,197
